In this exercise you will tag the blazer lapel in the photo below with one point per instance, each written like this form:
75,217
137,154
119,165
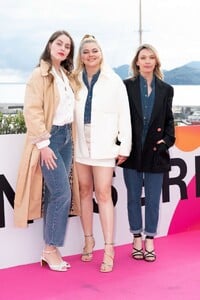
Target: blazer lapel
159,96
137,98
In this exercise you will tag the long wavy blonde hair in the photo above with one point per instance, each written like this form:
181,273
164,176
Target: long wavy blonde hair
79,64
135,69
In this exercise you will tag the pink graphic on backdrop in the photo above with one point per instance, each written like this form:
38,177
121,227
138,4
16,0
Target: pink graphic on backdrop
187,213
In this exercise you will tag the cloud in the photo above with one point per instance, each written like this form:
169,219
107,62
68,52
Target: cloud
12,75
171,26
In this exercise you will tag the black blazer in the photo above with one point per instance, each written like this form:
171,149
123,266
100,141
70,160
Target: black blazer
153,157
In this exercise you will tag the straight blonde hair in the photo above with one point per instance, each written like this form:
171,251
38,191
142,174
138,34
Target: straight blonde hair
135,69
79,65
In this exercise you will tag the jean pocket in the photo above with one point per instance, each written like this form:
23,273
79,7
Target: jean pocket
54,130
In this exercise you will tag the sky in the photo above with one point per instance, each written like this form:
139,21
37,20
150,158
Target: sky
171,26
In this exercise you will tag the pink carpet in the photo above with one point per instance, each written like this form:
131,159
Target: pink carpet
175,275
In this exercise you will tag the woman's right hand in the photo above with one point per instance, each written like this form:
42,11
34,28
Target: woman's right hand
48,158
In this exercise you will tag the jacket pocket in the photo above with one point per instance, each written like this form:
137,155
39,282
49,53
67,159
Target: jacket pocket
162,157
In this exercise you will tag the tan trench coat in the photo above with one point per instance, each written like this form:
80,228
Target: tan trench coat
41,100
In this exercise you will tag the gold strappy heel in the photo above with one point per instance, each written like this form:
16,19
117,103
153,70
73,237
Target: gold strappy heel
108,260
87,254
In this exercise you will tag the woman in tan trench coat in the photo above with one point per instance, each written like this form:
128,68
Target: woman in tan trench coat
47,155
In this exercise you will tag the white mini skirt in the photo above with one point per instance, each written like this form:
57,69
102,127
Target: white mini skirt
94,162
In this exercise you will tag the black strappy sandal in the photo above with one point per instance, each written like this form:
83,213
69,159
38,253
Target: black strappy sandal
137,254
149,256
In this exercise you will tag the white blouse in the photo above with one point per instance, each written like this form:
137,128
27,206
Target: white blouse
65,111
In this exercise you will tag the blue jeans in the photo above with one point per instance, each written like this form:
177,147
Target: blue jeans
134,181
57,192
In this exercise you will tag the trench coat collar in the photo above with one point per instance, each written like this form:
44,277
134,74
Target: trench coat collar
45,68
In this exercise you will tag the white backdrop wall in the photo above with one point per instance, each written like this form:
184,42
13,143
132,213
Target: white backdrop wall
23,246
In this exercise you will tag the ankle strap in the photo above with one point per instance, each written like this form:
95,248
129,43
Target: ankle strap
108,244
49,251
149,237
137,235
88,235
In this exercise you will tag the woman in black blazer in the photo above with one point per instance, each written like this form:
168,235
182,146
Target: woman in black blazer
150,101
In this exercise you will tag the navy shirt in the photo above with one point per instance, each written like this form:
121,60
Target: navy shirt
88,104
147,103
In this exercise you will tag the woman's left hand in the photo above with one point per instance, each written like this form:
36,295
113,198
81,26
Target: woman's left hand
160,142
120,159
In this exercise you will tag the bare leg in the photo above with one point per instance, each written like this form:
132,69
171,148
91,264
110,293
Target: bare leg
102,182
86,192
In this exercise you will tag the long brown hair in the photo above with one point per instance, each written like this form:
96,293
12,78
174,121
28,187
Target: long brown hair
68,63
